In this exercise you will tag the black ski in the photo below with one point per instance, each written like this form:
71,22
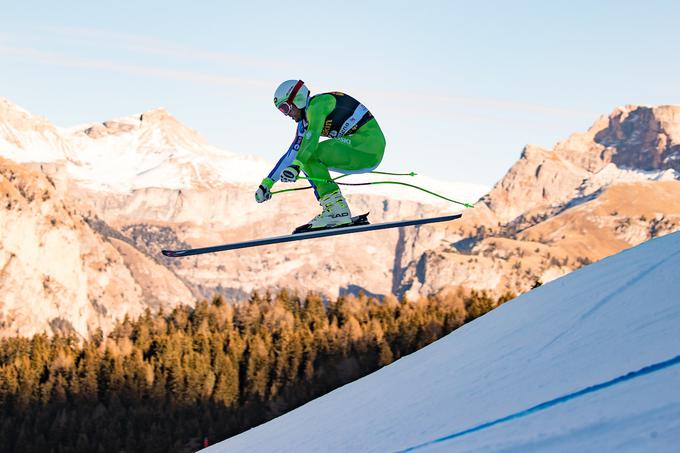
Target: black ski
352,228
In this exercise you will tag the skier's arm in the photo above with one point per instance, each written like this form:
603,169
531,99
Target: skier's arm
306,140
317,112
286,160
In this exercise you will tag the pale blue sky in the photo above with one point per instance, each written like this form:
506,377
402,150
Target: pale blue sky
458,87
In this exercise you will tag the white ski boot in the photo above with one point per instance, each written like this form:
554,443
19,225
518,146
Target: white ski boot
335,213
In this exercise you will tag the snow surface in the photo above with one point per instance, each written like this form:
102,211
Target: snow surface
162,154
588,362
611,174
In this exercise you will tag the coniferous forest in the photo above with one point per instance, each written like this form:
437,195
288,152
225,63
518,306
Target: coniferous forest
170,382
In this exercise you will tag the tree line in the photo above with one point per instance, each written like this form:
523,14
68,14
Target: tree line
168,382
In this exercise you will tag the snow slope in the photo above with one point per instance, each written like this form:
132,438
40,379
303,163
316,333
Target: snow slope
589,362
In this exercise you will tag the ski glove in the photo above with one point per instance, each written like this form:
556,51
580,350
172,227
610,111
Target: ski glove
264,192
290,173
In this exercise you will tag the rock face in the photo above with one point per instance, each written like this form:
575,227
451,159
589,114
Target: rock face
634,138
132,186
57,273
644,138
539,178
596,193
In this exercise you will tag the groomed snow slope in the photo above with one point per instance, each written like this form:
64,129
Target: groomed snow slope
589,362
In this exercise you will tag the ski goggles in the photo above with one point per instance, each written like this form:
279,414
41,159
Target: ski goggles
286,106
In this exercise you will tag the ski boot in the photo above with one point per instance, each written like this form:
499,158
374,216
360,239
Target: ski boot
335,214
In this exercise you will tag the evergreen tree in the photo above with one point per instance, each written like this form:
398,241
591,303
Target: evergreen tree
163,382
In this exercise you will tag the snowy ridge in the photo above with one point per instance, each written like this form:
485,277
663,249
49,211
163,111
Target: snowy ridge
28,138
153,149
611,174
588,362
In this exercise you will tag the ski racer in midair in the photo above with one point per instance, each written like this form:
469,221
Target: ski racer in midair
355,145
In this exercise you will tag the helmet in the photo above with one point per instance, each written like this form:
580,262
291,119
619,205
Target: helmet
291,92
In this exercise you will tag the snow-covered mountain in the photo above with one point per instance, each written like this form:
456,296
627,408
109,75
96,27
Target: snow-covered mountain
28,138
151,149
153,183
146,182
592,195
154,150
589,362
634,139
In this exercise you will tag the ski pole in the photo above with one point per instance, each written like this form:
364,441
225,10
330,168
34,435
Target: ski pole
467,205
334,180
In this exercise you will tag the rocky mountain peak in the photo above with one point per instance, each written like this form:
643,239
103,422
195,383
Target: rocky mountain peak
644,138
26,137
157,126
631,139
532,152
9,110
157,115
170,131
14,117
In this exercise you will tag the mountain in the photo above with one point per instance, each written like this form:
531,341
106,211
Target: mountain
151,149
589,362
147,182
594,194
642,139
58,273
25,137
148,171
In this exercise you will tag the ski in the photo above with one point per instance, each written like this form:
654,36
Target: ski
311,234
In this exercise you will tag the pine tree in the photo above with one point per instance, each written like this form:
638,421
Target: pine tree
478,304
226,392
385,356
256,378
159,382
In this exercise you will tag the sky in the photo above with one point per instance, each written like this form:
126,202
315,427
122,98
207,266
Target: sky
459,88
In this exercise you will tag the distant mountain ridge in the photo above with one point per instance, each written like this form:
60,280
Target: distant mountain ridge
598,192
146,182
147,150
642,139
151,149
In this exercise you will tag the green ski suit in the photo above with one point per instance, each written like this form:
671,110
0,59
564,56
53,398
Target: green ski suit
355,142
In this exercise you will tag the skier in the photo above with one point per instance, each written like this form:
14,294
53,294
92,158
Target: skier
355,145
